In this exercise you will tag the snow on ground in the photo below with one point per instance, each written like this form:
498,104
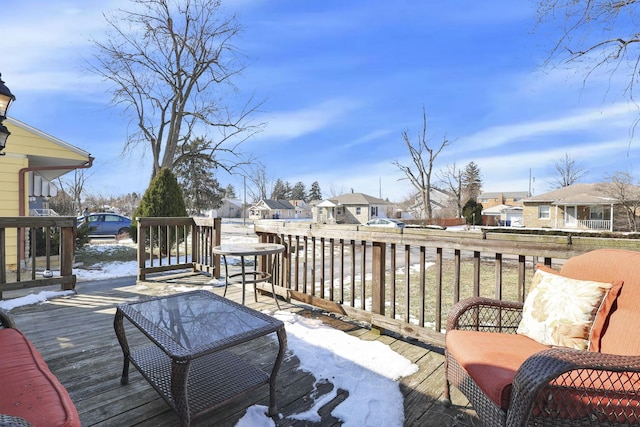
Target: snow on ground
43,296
368,370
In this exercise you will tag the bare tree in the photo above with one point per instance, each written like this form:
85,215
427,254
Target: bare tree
568,172
74,187
451,180
620,186
597,35
335,191
261,184
170,63
423,157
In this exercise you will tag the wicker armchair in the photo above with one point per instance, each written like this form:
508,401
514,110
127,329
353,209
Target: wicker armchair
5,320
9,421
550,386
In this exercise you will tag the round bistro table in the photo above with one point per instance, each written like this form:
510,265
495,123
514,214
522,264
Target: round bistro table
271,251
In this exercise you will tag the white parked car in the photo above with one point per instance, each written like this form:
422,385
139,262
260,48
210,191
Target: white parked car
386,222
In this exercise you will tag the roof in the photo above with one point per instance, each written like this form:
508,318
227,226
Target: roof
277,204
506,194
48,137
326,204
593,194
234,202
498,209
357,199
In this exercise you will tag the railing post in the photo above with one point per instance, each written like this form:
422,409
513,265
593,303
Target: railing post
67,243
217,232
142,253
198,245
378,256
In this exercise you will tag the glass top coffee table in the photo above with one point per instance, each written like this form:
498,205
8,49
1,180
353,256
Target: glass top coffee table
187,360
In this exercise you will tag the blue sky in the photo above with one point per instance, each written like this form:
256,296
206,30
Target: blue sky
340,81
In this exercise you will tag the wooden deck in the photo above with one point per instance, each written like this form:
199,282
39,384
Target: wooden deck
77,339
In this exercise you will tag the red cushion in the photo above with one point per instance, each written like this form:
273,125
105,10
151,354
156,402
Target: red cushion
491,359
29,389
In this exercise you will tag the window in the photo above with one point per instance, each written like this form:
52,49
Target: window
374,211
358,210
544,212
596,212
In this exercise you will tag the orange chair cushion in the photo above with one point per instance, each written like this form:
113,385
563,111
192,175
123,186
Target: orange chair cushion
29,389
491,359
619,333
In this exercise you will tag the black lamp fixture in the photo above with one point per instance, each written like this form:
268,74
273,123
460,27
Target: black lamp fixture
6,98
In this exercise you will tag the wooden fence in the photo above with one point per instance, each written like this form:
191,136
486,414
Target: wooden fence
405,280
23,239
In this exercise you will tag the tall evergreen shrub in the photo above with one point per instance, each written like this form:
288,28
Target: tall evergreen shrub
163,198
470,208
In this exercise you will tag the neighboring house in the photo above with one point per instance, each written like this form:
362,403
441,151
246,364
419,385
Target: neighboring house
503,215
33,160
303,211
440,202
350,208
272,209
230,208
509,198
578,206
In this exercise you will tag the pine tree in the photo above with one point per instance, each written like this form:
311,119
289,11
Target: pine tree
163,198
230,192
314,192
471,180
193,169
281,190
298,192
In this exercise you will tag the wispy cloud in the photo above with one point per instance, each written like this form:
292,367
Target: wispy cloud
287,125
371,136
48,53
510,171
497,136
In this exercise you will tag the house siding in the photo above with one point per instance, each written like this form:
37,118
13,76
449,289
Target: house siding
24,144
9,168
489,200
530,215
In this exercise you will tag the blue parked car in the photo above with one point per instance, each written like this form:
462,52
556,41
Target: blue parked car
107,224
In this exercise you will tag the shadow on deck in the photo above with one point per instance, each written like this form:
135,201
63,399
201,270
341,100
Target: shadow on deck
76,337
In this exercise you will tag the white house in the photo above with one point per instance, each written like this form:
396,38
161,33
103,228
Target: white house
350,208
272,209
